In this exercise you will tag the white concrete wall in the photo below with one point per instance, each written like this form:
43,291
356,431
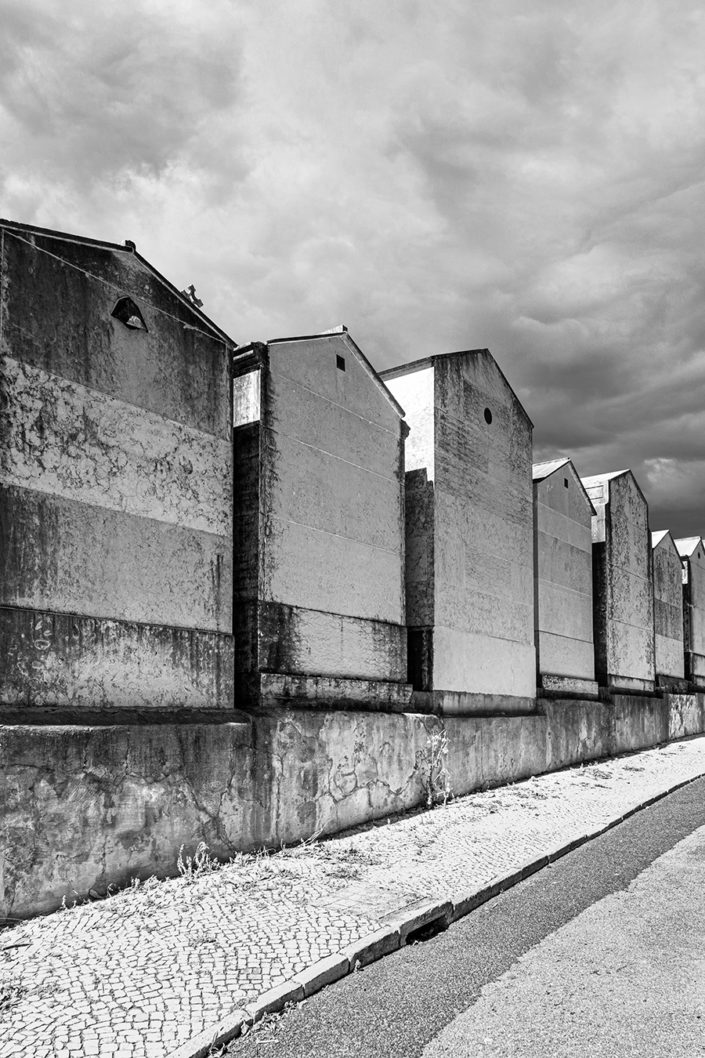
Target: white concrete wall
333,498
414,391
564,576
484,578
668,609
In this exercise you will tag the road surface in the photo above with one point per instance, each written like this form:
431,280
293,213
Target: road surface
601,954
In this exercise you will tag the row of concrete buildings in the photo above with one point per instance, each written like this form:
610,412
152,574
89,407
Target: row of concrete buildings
188,524
194,532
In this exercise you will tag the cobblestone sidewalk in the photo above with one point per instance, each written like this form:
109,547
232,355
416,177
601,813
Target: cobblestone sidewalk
148,970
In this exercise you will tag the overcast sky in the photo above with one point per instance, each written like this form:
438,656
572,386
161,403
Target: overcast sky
437,175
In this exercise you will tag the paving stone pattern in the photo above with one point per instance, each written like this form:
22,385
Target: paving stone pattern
141,973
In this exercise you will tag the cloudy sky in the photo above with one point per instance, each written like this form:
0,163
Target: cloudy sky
526,175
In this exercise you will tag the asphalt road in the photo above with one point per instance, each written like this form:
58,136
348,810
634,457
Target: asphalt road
602,953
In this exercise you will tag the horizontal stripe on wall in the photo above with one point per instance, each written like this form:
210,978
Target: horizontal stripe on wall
64,660
59,555
292,639
67,440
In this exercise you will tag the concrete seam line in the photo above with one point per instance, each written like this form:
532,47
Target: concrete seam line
381,942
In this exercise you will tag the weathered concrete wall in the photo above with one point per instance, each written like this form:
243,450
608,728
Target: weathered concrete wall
622,583
686,715
322,530
72,662
115,486
85,807
420,554
668,608
563,522
480,568
335,526
484,584
694,613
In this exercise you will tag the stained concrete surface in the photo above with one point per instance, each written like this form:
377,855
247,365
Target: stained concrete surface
563,574
469,531
668,607
115,484
623,595
434,998
84,806
319,525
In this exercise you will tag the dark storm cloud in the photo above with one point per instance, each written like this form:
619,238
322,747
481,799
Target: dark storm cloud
437,176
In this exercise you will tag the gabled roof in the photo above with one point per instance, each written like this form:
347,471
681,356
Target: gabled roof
687,544
341,333
429,361
600,479
128,248
661,537
541,471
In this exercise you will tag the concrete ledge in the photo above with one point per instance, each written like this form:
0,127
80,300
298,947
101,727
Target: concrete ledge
614,684
467,704
552,684
60,716
328,692
672,684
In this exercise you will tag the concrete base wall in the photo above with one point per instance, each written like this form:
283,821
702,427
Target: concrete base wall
85,807
686,715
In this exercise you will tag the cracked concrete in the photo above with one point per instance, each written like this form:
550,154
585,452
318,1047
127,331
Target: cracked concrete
88,807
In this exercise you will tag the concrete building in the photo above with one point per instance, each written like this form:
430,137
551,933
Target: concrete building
319,526
563,513
469,536
622,583
115,483
668,612
692,553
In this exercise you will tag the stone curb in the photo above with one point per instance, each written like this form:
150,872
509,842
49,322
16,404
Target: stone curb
399,925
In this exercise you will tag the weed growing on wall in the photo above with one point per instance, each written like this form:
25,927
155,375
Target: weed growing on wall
198,865
432,760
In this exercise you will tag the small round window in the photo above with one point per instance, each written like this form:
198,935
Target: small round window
488,416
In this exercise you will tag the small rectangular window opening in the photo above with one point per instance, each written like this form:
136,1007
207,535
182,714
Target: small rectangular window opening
340,362
565,482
